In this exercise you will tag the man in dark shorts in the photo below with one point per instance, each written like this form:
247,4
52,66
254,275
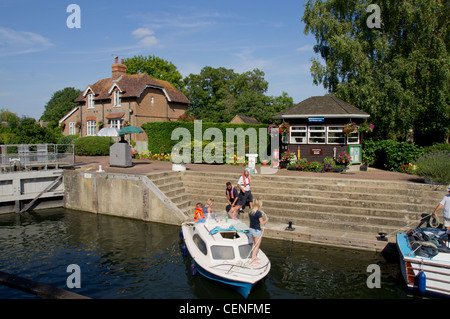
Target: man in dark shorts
245,196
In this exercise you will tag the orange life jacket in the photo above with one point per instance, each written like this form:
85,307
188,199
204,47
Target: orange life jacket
198,214
243,178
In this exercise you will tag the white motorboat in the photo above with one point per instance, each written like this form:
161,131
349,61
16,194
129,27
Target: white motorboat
221,249
425,260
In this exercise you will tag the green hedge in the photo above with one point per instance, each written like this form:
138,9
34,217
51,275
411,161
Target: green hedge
390,154
92,146
160,133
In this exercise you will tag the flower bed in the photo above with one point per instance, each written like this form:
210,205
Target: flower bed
146,155
303,165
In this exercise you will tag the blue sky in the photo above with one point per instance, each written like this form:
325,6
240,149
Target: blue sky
39,54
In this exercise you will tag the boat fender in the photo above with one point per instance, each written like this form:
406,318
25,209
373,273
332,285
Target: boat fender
421,281
181,233
184,249
193,269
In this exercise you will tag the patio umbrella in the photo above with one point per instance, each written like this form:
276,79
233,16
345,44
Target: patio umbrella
108,131
130,130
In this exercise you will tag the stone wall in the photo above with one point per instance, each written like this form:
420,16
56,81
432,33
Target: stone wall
120,195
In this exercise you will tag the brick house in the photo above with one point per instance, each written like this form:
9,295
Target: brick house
121,100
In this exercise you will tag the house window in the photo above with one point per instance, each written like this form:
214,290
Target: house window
116,123
72,128
90,101
91,128
298,134
335,135
316,134
116,98
353,138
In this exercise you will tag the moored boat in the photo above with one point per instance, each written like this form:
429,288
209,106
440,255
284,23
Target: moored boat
425,260
221,250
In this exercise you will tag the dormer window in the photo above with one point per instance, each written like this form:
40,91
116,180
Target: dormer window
90,101
116,98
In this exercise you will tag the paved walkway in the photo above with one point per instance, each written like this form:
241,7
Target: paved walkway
143,167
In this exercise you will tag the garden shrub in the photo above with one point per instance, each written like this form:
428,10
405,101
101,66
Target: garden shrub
390,154
92,146
434,166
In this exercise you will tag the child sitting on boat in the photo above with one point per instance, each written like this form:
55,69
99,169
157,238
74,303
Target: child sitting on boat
198,215
207,207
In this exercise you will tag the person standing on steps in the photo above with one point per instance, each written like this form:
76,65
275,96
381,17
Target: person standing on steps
445,203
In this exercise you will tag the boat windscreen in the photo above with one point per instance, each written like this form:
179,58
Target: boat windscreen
222,252
244,251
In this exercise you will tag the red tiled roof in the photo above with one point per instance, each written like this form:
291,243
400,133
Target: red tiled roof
132,85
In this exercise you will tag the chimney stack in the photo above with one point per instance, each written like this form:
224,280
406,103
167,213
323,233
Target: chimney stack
118,69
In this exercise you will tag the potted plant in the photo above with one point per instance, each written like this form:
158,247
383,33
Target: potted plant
284,130
349,129
288,157
344,160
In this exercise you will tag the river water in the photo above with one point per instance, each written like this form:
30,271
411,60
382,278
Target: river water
124,258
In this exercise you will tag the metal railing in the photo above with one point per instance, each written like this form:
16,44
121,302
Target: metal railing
15,157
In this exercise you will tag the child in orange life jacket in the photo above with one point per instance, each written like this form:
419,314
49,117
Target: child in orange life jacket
198,215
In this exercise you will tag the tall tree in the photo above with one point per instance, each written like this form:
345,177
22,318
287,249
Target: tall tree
399,73
60,104
218,94
156,67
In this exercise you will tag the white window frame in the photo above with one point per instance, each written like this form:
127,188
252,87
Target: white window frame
91,101
116,98
116,123
91,128
298,129
72,130
335,129
353,138
313,129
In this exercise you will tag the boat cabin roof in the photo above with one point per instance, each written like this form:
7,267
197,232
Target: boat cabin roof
223,231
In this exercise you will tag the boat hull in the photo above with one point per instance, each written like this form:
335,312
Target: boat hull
436,269
238,273
243,288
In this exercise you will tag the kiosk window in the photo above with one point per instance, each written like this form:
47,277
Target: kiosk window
298,134
335,135
316,134
353,138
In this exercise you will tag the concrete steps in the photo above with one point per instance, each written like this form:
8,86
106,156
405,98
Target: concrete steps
360,209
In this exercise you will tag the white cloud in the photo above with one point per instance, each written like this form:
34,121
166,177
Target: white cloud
13,42
306,47
142,32
147,39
